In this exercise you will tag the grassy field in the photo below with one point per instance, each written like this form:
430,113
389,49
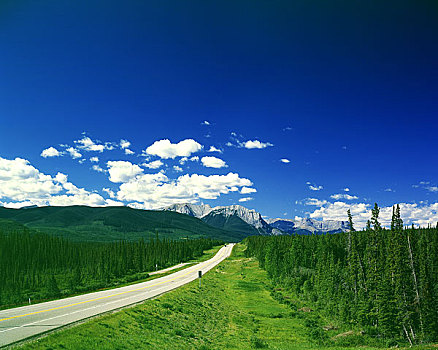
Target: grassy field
236,308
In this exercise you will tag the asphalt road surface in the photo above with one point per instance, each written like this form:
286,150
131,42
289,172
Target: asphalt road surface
23,322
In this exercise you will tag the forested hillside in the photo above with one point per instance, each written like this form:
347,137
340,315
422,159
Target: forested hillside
42,266
384,280
81,223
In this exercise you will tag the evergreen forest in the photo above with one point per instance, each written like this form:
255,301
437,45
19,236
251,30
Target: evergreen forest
383,281
40,266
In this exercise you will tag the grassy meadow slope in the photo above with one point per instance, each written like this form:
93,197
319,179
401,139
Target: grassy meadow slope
236,308
81,223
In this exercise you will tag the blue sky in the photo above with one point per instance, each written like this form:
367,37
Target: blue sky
345,91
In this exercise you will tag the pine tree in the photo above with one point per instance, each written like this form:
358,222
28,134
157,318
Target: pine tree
350,220
375,218
52,287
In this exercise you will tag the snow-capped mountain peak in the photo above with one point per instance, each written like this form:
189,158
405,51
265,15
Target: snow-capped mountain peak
196,210
254,219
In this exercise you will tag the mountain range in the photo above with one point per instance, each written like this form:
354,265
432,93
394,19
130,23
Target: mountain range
179,221
239,219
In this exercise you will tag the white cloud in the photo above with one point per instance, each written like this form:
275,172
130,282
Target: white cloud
177,168
88,144
213,162
154,165
284,160
97,168
20,181
128,151
251,144
184,160
94,159
214,149
315,187
74,152
122,171
23,185
427,186
110,202
314,201
205,122
165,149
343,196
110,192
346,189
50,152
389,190
246,199
61,178
247,190
411,213
150,191
124,144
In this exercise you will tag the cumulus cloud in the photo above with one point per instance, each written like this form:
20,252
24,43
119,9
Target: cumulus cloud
88,144
74,153
247,190
343,196
20,181
61,178
314,187
205,122
124,144
149,191
251,144
177,168
165,149
154,165
214,149
246,199
50,152
110,192
346,189
97,168
213,162
184,160
122,171
21,184
314,201
284,160
411,213
128,151
94,159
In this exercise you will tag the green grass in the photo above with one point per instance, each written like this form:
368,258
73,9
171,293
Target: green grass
234,309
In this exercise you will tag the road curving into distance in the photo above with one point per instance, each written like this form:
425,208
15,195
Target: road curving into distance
23,322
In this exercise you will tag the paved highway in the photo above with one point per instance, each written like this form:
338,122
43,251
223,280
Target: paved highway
23,322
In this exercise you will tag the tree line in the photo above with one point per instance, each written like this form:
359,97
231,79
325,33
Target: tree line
41,266
384,280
